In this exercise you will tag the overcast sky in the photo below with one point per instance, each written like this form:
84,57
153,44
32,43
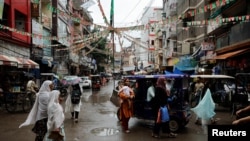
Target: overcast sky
126,12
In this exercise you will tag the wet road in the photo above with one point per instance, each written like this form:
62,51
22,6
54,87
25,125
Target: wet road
98,122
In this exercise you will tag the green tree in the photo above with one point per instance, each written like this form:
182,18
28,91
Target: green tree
100,55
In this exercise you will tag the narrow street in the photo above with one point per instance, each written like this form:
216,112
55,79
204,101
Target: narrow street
98,122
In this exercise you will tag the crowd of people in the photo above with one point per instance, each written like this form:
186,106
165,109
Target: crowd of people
48,115
158,95
205,105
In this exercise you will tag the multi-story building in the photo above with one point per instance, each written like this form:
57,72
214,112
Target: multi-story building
169,41
189,38
151,16
41,50
228,24
16,37
209,34
43,31
80,61
68,22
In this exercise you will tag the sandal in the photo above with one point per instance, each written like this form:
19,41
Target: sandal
171,135
155,136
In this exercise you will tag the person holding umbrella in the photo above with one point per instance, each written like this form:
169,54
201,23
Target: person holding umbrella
73,102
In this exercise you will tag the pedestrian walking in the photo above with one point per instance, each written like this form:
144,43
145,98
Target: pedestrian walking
160,100
205,110
199,88
73,102
31,86
38,114
126,109
55,124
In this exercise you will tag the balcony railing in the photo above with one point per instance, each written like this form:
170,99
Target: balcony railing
185,5
171,32
239,33
185,35
200,31
172,6
213,25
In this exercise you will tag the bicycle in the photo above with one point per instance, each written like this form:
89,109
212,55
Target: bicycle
14,101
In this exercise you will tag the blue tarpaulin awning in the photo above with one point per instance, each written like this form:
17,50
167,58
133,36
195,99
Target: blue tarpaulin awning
186,63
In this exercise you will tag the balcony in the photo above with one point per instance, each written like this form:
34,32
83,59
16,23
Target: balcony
172,8
239,33
200,31
171,32
222,42
159,50
232,9
186,6
185,35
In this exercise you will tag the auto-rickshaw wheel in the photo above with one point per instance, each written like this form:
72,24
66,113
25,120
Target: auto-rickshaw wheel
118,114
174,125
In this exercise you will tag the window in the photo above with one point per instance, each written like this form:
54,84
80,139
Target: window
152,29
5,19
20,21
152,42
62,32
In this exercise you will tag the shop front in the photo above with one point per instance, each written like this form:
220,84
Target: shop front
235,61
15,73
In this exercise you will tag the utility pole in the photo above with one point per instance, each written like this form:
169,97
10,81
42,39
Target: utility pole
112,34
113,46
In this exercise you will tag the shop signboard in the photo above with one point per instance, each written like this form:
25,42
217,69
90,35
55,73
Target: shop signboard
37,29
207,46
62,33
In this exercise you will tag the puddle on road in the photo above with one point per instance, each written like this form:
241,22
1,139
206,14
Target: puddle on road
110,112
105,131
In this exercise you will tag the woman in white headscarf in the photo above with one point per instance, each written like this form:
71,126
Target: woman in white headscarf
38,114
74,109
56,117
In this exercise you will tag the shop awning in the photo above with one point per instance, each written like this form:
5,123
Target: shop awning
17,62
8,61
27,63
230,54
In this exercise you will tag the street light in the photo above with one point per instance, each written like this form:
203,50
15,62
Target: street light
202,70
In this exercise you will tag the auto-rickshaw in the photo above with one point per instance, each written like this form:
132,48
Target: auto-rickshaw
180,111
241,98
96,81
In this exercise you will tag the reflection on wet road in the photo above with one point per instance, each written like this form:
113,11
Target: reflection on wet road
97,96
104,131
98,122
